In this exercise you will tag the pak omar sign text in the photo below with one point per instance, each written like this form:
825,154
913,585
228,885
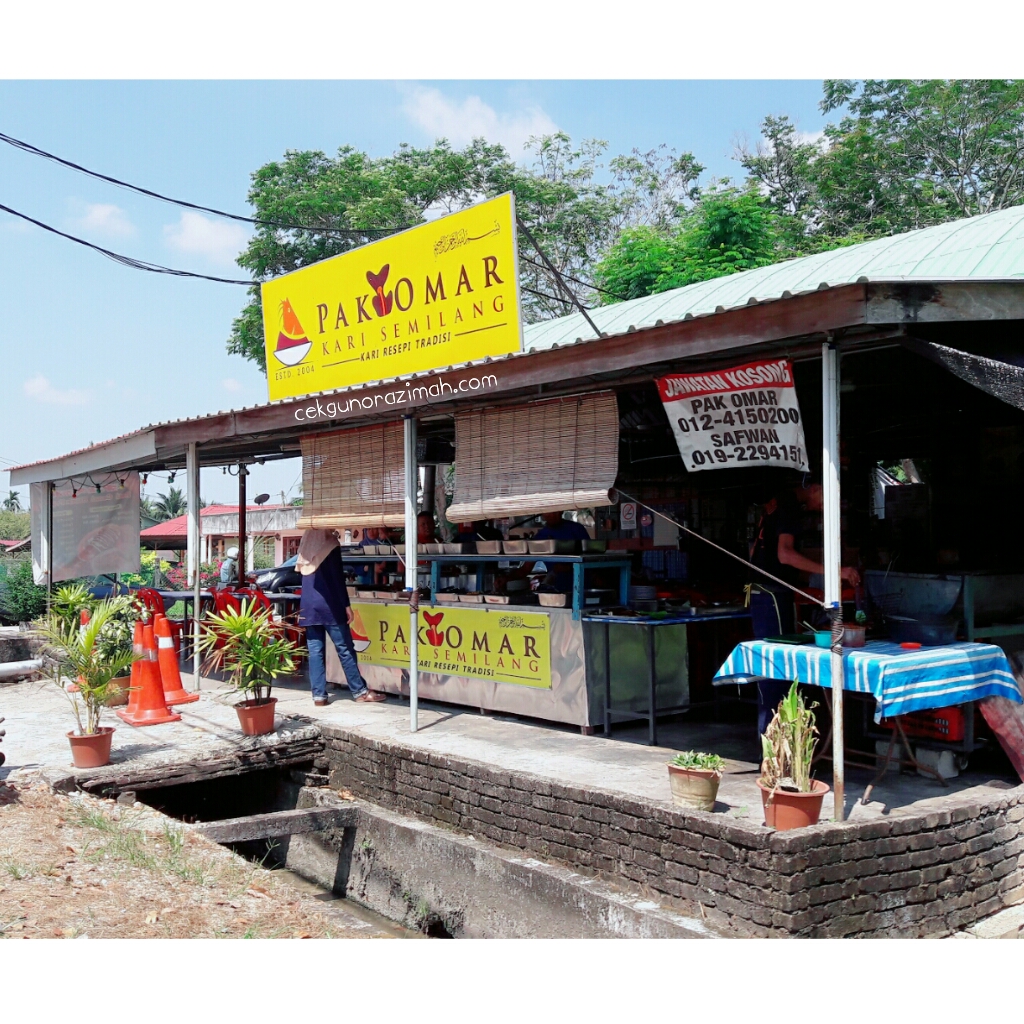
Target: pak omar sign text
438,294
506,646
744,416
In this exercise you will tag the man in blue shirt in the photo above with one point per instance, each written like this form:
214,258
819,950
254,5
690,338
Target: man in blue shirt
324,610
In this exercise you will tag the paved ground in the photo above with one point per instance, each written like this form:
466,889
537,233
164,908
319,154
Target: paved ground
38,718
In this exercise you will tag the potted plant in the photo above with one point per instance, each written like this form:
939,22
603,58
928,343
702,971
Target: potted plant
791,798
77,654
694,778
254,651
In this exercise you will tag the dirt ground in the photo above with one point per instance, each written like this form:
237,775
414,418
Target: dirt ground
77,866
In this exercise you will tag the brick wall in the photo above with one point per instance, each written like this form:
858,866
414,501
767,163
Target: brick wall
907,874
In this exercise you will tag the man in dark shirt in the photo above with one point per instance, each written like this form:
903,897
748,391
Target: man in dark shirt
771,604
324,610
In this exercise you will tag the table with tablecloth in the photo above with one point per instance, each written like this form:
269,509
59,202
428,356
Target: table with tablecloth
900,680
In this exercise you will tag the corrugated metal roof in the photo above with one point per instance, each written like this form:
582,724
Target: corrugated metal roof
989,247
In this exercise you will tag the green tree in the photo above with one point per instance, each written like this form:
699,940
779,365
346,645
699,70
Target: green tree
12,503
904,154
20,599
170,505
727,231
569,201
14,525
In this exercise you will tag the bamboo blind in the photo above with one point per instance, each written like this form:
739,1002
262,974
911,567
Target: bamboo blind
541,457
353,478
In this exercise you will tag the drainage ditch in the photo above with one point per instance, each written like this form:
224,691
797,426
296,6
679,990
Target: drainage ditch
419,878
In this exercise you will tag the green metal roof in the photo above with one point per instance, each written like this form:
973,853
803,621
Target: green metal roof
985,248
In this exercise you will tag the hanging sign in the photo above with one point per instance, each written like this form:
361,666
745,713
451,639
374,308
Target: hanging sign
442,293
744,416
501,645
627,516
95,527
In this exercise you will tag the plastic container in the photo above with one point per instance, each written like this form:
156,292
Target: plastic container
552,600
515,547
594,547
552,547
823,638
495,598
488,547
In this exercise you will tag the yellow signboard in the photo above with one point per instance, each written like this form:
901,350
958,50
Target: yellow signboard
506,646
441,293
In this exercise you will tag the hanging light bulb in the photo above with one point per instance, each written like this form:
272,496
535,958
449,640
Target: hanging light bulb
74,492
145,479
170,479
98,488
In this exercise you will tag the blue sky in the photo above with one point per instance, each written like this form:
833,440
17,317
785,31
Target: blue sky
91,350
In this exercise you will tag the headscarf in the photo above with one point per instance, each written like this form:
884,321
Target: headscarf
314,547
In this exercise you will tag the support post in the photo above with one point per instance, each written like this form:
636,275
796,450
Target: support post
194,547
833,556
241,524
411,558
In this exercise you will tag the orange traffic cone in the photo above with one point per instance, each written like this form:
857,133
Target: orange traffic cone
174,692
151,708
135,683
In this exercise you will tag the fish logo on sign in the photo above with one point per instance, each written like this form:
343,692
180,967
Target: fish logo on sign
292,344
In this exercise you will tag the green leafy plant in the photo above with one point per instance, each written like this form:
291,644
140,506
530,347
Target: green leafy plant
699,760
21,600
77,659
69,601
788,745
250,647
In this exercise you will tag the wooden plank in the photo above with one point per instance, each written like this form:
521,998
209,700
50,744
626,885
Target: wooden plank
135,776
277,824
945,302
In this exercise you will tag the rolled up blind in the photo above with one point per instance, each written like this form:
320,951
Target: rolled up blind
353,478
545,456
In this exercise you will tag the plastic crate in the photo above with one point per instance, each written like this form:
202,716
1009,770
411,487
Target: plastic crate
948,724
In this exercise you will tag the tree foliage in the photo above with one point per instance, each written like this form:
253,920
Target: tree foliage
572,208
14,525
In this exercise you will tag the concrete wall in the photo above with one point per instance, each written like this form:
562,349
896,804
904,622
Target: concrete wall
909,874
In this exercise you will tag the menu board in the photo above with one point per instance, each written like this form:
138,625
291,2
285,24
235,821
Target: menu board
95,531
745,416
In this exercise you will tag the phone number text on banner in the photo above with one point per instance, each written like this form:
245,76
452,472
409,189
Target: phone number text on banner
744,416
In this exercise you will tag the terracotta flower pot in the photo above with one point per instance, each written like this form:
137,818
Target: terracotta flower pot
694,787
784,810
92,751
256,719
117,694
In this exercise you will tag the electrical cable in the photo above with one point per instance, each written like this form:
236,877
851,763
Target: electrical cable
576,280
27,147
125,261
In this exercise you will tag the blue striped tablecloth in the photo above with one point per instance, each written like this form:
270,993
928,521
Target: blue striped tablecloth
901,681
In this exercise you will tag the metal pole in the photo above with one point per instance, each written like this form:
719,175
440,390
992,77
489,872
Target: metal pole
194,543
411,553
833,556
241,524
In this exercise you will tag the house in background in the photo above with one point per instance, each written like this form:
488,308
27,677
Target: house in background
271,532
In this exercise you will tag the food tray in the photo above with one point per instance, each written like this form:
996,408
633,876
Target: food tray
552,547
515,547
369,549
471,598
552,600
453,549
496,598
433,549
594,547
488,547
447,598
383,549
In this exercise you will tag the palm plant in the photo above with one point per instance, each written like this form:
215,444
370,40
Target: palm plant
250,647
69,601
12,503
80,657
170,505
788,745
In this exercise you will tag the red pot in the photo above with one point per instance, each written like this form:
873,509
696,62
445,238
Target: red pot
784,811
92,751
256,719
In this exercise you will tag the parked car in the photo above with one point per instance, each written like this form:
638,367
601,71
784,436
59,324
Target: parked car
281,577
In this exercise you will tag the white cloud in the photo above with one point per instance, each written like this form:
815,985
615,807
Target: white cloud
461,121
106,219
216,240
230,384
40,388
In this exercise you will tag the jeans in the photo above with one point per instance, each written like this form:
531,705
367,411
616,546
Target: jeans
316,645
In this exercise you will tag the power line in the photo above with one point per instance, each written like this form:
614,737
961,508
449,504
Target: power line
576,280
27,147
125,261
